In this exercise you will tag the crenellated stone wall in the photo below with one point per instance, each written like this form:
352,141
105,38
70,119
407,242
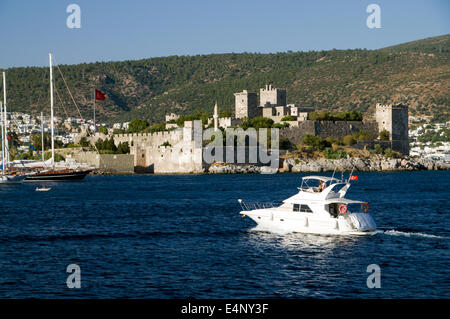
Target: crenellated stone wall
337,129
119,163
176,151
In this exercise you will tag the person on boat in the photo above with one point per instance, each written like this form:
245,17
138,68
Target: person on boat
321,186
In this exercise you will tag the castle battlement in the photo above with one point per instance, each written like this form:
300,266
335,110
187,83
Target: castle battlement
391,106
393,118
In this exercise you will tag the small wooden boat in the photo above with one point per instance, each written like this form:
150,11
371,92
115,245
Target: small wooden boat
43,189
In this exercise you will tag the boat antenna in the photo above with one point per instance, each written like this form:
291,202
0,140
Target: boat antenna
348,180
332,176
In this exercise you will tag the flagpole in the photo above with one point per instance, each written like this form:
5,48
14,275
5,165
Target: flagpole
94,110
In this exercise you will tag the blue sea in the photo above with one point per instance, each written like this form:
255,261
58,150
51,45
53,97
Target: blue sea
149,236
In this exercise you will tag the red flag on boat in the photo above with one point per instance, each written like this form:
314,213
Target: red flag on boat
353,178
99,95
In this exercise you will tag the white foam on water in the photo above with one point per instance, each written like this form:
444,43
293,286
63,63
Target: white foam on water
275,231
391,232
394,232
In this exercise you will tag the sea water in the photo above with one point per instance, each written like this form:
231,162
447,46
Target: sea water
149,236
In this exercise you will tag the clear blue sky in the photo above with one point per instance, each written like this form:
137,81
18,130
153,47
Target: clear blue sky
135,29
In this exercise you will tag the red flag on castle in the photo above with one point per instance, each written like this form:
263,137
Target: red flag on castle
99,95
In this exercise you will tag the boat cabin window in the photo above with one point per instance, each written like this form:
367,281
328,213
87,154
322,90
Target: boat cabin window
302,208
314,185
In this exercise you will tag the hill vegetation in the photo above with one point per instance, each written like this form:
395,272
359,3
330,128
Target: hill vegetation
415,73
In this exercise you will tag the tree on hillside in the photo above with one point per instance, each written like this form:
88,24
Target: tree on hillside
137,126
103,129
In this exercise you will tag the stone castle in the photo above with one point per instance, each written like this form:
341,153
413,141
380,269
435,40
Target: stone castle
272,104
179,151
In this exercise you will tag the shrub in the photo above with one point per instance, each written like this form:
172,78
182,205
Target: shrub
280,125
287,118
166,144
333,140
285,144
84,142
257,123
389,153
225,113
196,115
58,157
331,154
335,116
315,142
378,149
384,135
158,127
103,129
349,140
363,136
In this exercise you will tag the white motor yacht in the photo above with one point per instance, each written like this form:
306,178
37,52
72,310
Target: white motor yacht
318,208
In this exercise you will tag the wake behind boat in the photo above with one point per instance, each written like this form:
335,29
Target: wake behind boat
318,208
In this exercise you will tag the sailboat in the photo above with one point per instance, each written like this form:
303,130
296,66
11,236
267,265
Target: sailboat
7,177
53,174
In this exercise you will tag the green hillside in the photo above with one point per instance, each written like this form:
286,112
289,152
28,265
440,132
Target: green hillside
415,73
440,44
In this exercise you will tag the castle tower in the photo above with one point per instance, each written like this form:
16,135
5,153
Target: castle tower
394,119
271,97
216,117
246,104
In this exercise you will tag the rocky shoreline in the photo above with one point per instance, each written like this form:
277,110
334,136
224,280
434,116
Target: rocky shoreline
376,163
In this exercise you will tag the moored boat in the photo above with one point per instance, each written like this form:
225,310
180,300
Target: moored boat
52,174
57,175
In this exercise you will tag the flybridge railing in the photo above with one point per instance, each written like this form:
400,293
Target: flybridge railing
256,205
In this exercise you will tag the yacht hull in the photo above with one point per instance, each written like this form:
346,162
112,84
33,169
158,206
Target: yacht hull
57,176
12,179
309,224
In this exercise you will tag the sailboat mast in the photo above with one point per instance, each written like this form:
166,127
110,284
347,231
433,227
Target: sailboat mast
51,110
42,131
5,127
3,139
